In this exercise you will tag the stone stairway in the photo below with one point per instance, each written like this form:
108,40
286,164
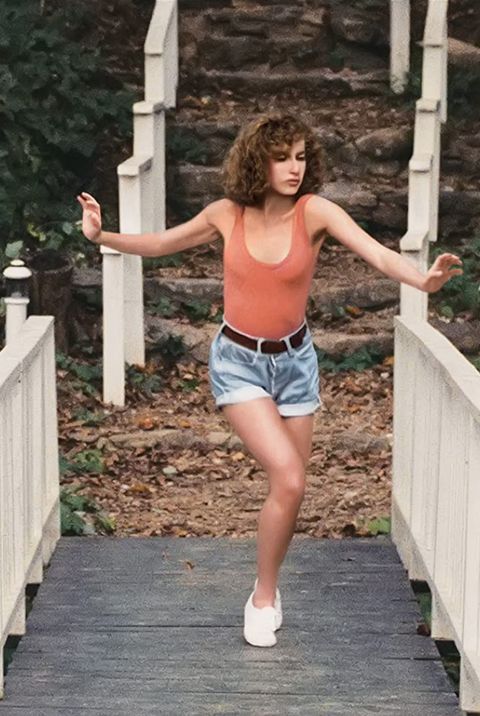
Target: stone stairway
329,62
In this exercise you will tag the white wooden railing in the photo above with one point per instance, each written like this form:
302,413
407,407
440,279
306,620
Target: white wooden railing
436,423
141,204
436,486
29,469
424,166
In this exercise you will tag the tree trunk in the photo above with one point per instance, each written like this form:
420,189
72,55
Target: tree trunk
51,292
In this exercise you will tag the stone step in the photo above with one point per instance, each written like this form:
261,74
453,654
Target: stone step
379,203
297,35
182,439
377,301
232,4
319,83
205,142
376,294
336,344
374,200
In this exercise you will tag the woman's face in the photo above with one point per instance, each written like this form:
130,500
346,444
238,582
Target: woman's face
286,164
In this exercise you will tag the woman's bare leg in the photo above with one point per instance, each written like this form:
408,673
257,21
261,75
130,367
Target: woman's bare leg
282,452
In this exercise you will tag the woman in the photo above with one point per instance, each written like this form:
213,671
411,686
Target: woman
263,368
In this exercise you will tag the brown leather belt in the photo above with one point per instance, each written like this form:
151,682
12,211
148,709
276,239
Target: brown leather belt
265,346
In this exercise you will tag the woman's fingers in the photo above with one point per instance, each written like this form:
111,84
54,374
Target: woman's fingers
88,196
87,200
91,209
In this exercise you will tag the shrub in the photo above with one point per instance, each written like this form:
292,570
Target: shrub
55,99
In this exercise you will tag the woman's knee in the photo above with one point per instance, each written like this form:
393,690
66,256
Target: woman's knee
287,480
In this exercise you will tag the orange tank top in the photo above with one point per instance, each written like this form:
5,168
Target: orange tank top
265,299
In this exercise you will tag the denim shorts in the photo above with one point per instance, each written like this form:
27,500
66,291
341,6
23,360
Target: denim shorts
291,378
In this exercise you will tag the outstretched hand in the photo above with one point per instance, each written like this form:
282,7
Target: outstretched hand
440,272
92,217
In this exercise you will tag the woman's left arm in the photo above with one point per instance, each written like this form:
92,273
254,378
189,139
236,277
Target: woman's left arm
335,220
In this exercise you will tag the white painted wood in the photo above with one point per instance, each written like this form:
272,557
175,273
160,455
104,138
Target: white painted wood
443,97
427,143
424,166
161,54
29,473
414,244
141,186
399,44
16,314
149,140
130,175
468,687
435,51
113,328
436,485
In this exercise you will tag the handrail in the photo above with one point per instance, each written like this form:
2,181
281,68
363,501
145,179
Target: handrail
142,189
436,422
29,468
424,165
436,486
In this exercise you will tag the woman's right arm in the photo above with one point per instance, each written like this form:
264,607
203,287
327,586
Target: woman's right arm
201,229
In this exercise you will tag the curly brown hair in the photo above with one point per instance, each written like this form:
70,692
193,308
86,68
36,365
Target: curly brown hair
244,170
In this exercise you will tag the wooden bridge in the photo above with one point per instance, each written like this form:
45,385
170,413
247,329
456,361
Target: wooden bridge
154,626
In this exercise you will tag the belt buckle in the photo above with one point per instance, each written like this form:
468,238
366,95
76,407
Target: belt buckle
269,340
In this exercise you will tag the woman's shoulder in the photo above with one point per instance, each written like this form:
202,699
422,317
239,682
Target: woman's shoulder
222,214
222,206
314,212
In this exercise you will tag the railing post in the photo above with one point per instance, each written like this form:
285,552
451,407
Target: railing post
17,277
141,204
414,245
113,327
399,44
149,141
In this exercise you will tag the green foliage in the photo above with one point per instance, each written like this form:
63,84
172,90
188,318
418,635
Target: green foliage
163,307
364,358
86,461
461,293
88,417
145,382
190,385
171,260
55,99
197,310
73,508
171,349
380,525
463,91
87,378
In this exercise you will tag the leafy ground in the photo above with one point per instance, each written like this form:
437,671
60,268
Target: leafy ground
218,491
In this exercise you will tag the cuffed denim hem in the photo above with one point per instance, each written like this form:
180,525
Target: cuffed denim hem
240,395
290,410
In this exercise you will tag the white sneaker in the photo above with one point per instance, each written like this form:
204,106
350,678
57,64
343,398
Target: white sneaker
277,606
259,626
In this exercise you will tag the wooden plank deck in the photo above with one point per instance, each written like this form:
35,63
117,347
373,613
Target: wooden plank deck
135,626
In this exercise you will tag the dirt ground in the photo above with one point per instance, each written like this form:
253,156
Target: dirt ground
219,491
